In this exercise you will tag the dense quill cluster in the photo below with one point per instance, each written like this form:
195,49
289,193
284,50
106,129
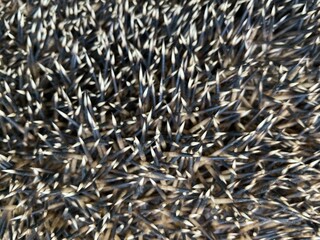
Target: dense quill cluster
164,119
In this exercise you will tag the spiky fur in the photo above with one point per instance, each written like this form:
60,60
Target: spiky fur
159,119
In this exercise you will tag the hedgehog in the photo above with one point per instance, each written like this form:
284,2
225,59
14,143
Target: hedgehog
189,119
